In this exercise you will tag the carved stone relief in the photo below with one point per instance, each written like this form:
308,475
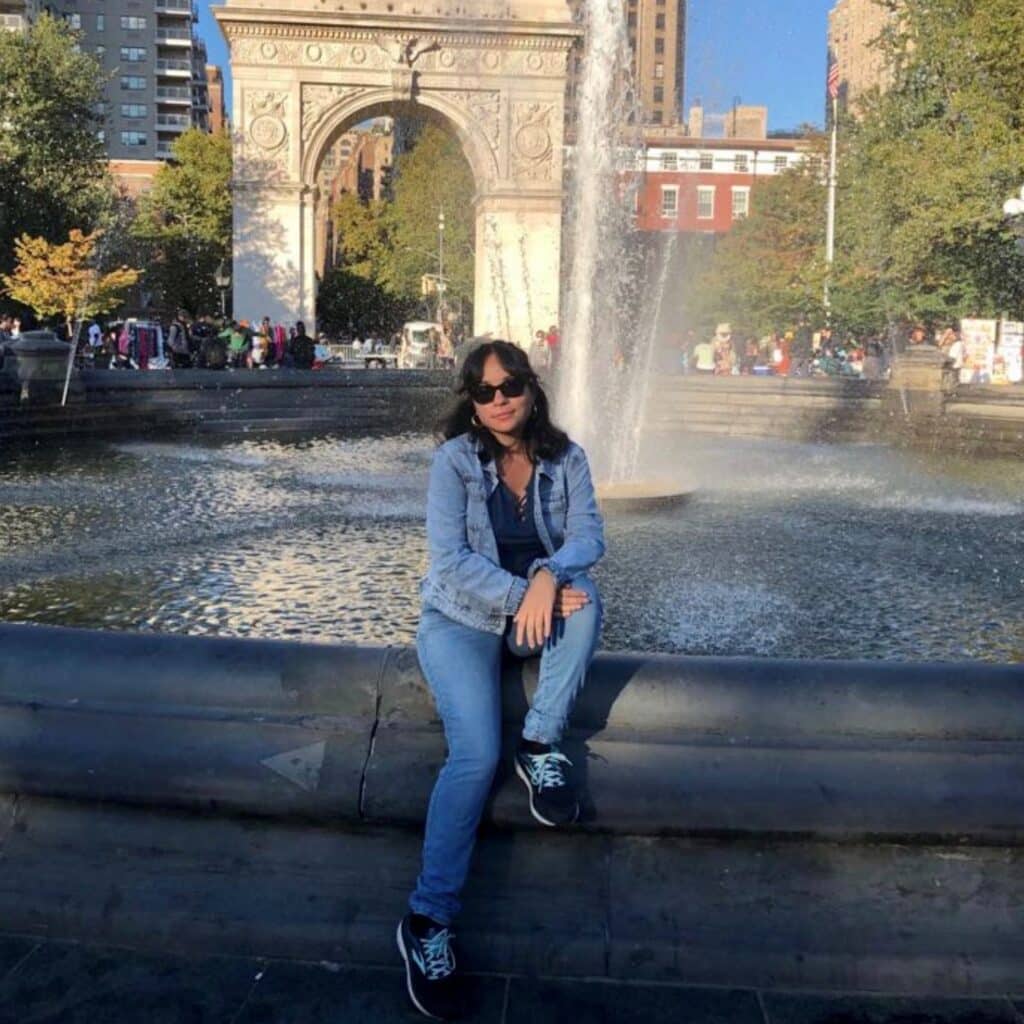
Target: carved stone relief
317,100
532,145
483,107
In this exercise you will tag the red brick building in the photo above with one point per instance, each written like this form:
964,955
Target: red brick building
703,186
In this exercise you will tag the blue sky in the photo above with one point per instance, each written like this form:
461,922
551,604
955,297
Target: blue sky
766,52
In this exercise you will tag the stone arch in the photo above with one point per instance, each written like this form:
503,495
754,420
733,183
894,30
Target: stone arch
495,71
358,104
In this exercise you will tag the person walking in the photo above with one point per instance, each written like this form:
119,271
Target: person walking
178,342
513,528
301,348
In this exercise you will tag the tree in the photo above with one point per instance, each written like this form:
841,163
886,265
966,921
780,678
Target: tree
927,166
62,279
53,173
770,269
431,177
354,305
185,222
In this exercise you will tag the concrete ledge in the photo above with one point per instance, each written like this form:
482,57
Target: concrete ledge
663,745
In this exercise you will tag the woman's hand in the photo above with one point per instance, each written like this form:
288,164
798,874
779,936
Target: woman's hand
533,620
569,601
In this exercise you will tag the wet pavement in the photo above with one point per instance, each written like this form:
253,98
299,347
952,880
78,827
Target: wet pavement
51,982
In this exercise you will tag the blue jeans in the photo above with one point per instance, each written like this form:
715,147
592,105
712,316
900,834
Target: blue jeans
463,668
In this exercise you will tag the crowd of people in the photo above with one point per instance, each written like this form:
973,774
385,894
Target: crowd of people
798,352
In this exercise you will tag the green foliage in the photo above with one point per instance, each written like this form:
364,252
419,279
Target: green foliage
928,165
184,223
52,169
385,248
431,177
770,269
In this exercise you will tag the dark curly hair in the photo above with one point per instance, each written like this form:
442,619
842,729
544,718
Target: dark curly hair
543,439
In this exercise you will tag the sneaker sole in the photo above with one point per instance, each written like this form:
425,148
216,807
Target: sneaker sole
408,977
521,772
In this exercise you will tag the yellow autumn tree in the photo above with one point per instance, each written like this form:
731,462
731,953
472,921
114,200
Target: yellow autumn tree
60,279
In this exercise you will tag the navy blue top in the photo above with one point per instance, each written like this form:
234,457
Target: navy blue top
515,529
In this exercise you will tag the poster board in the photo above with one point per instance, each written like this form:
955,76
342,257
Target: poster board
1011,342
979,337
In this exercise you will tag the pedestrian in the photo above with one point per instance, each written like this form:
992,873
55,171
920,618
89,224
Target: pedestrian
301,348
704,358
539,353
554,342
513,528
178,342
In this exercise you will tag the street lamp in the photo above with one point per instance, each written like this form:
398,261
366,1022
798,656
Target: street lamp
440,267
222,278
1013,211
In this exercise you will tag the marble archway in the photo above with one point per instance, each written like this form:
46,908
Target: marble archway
495,72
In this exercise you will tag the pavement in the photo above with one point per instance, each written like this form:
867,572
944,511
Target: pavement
53,982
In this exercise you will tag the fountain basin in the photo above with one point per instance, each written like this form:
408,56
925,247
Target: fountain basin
641,495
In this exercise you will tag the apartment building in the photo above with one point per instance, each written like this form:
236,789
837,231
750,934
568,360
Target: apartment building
156,64
16,14
854,27
657,35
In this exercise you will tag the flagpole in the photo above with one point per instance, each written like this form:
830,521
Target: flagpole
833,180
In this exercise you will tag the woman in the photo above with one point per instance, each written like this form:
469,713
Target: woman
513,527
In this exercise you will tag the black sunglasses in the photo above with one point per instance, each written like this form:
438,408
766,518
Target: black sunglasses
511,387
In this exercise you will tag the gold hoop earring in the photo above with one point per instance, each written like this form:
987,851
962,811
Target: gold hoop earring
473,419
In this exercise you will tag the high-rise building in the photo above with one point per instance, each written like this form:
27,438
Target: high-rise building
657,34
215,91
156,65
854,27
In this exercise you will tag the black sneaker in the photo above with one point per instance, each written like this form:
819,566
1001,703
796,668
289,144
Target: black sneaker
552,799
430,970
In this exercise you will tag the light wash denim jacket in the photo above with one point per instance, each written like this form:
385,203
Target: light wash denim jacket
466,581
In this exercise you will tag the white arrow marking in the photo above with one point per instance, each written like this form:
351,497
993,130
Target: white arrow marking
301,765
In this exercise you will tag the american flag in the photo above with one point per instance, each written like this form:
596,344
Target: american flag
833,77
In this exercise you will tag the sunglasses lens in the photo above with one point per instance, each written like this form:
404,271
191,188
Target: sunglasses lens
483,394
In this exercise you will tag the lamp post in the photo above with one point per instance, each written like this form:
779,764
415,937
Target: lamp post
222,278
440,265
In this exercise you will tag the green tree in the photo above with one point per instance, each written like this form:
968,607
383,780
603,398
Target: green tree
53,173
928,164
184,221
770,269
432,176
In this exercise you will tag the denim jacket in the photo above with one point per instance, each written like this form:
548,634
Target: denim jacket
465,580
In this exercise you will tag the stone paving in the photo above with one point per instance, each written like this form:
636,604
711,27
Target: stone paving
54,982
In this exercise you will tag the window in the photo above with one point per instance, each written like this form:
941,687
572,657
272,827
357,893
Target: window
707,161
740,203
134,22
669,200
631,19
133,82
133,53
133,138
656,117
659,21
133,109
781,163
659,94
101,51
101,134
659,70
74,20
659,45
669,161
101,22
741,163
706,202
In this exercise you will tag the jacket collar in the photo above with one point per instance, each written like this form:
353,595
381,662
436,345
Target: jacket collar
545,467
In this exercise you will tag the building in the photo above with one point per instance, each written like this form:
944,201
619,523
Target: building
16,14
158,85
703,186
218,120
742,122
854,26
657,35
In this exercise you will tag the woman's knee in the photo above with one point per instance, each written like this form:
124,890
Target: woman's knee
475,757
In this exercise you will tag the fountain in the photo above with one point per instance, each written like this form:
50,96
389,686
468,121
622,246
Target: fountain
607,364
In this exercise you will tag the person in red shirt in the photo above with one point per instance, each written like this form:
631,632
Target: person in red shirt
554,340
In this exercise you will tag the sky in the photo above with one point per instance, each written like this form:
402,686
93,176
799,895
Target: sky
763,52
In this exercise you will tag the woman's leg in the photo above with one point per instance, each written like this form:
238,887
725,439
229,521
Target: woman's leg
463,668
564,661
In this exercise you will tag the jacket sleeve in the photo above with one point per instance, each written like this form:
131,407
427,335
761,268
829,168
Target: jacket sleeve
450,554
583,546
